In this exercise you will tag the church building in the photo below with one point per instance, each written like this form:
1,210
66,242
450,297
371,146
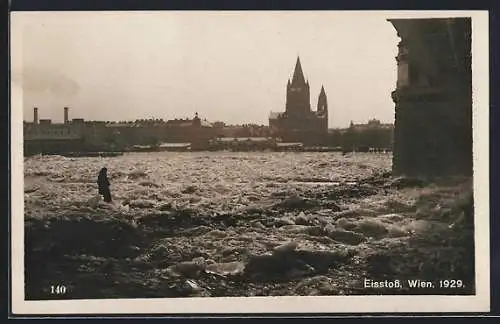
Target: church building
298,123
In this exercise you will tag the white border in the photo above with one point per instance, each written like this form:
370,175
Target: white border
233,305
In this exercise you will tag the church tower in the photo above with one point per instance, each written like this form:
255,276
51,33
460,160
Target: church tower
322,102
297,93
322,109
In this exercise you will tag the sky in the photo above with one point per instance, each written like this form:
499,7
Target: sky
227,66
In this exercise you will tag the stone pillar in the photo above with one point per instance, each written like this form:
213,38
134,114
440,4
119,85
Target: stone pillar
433,98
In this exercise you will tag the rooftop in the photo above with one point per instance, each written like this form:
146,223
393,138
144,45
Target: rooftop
289,144
242,139
175,144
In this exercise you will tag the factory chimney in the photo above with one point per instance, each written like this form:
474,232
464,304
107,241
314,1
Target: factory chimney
66,119
35,115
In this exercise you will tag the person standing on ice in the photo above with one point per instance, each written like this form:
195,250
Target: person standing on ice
103,183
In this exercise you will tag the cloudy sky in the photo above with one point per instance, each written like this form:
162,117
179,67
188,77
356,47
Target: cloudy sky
229,66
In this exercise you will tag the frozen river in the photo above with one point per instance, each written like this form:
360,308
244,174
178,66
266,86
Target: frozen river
210,224
223,181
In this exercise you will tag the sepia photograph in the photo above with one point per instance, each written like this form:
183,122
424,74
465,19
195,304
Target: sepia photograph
249,161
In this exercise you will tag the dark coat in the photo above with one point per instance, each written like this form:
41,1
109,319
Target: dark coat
103,182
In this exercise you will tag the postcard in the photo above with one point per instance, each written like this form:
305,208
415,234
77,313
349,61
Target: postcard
226,162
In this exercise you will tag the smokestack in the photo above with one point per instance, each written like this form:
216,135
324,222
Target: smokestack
66,119
35,115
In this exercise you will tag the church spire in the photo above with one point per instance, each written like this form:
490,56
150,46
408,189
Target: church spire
298,75
322,101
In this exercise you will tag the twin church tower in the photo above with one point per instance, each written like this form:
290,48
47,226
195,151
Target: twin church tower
298,122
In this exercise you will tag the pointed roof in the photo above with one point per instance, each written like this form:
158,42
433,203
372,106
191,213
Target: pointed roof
322,105
298,75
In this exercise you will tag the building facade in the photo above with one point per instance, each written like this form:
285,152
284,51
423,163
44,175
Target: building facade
371,136
298,123
44,136
433,98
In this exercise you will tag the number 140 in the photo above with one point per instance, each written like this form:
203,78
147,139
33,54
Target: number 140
58,290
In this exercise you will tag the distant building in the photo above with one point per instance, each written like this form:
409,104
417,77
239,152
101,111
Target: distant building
247,130
371,125
242,143
125,134
299,123
44,129
43,136
187,130
370,136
